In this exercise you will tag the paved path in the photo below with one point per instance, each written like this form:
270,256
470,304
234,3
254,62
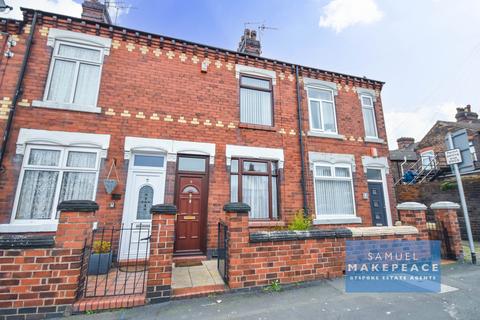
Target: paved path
325,300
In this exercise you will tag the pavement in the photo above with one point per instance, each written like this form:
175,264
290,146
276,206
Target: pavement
324,300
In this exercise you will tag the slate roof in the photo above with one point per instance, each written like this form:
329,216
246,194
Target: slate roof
400,154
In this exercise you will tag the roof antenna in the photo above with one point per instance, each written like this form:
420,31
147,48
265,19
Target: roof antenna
260,26
118,5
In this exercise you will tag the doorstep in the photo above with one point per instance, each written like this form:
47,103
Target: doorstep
106,303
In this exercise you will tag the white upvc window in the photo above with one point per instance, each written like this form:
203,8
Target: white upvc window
321,106
50,175
74,76
428,159
334,192
369,119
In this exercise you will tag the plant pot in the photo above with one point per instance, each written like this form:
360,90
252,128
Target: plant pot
110,185
99,263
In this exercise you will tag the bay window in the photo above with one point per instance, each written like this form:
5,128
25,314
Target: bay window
321,110
333,187
256,101
51,175
369,116
254,182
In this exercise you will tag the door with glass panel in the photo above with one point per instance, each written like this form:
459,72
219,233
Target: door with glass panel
377,197
145,187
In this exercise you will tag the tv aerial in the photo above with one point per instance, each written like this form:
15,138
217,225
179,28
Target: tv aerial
117,5
260,26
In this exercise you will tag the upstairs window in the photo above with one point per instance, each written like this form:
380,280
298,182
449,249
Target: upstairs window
369,117
322,110
473,151
254,182
428,160
256,101
74,76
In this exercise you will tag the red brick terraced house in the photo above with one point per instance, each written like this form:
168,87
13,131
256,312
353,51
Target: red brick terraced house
173,121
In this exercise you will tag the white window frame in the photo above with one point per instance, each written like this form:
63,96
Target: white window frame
371,107
431,155
473,151
333,177
332,92
61,168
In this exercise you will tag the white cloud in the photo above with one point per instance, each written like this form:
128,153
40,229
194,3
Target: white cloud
416,123
341,14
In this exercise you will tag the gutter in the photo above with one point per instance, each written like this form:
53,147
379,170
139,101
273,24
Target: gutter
302,148
18,91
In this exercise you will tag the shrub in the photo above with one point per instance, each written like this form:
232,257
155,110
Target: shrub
300,222
101,246
448,185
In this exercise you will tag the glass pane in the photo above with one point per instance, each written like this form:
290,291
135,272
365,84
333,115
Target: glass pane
374,174
36,195
342,172
234,166
367,101
191,164
78,186
274,167
87,85
334,197
61,82
234,188
145,201
148,161
79,53
255,194
255,166
190,189
323,171
255,107
316,115
274,198
254,82
320,94
42,157
82,159
369,119
328,117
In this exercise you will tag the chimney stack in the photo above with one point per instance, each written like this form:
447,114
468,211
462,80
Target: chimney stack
95,11
404,142
249,43
466,115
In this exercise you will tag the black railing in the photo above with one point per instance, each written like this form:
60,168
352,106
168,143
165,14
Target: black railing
222,251
115,261
437,231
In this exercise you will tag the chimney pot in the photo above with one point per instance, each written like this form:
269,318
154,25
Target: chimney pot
95,11
404,142
466,115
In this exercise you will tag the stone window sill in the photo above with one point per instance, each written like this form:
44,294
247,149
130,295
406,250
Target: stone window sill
337,220
374,140
256,127
28,227
261,224
65,106
326,135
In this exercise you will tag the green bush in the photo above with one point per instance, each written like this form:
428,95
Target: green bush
300,222
448,185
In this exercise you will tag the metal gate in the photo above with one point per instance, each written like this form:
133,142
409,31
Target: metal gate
110,270
437,231
222,251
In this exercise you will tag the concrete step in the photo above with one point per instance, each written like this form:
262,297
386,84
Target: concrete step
111,302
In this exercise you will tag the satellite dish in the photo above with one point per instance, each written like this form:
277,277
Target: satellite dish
4,7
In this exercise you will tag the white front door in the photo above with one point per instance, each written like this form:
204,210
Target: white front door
145,187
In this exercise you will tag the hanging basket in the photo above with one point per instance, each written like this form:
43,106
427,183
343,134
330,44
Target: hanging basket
111,184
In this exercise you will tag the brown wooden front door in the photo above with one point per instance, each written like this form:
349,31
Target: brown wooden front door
191,200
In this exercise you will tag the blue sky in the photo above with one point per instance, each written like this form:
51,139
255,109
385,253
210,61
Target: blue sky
427,51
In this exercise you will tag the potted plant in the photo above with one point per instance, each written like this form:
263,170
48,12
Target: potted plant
100,258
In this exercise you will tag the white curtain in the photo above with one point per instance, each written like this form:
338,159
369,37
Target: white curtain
255,107
334,197
328,117
79,53
61,82
233,188
87,84
369,117
255,194
274,198
78,159
77,186
36,196
41,157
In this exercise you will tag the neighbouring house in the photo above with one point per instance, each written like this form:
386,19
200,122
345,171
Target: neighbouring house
403,157
106,127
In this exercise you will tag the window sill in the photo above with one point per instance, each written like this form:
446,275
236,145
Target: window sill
337,220
256,127
271,223
65,106
374,140
28,227
326,135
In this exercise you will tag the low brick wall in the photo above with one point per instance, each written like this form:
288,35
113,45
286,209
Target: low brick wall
39,275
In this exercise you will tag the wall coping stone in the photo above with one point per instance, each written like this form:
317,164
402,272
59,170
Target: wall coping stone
164,209
444,205
382,231
237,207
411,206
21,241
289,235
77,206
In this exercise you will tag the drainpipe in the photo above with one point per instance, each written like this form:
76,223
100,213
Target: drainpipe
302,148
18,90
